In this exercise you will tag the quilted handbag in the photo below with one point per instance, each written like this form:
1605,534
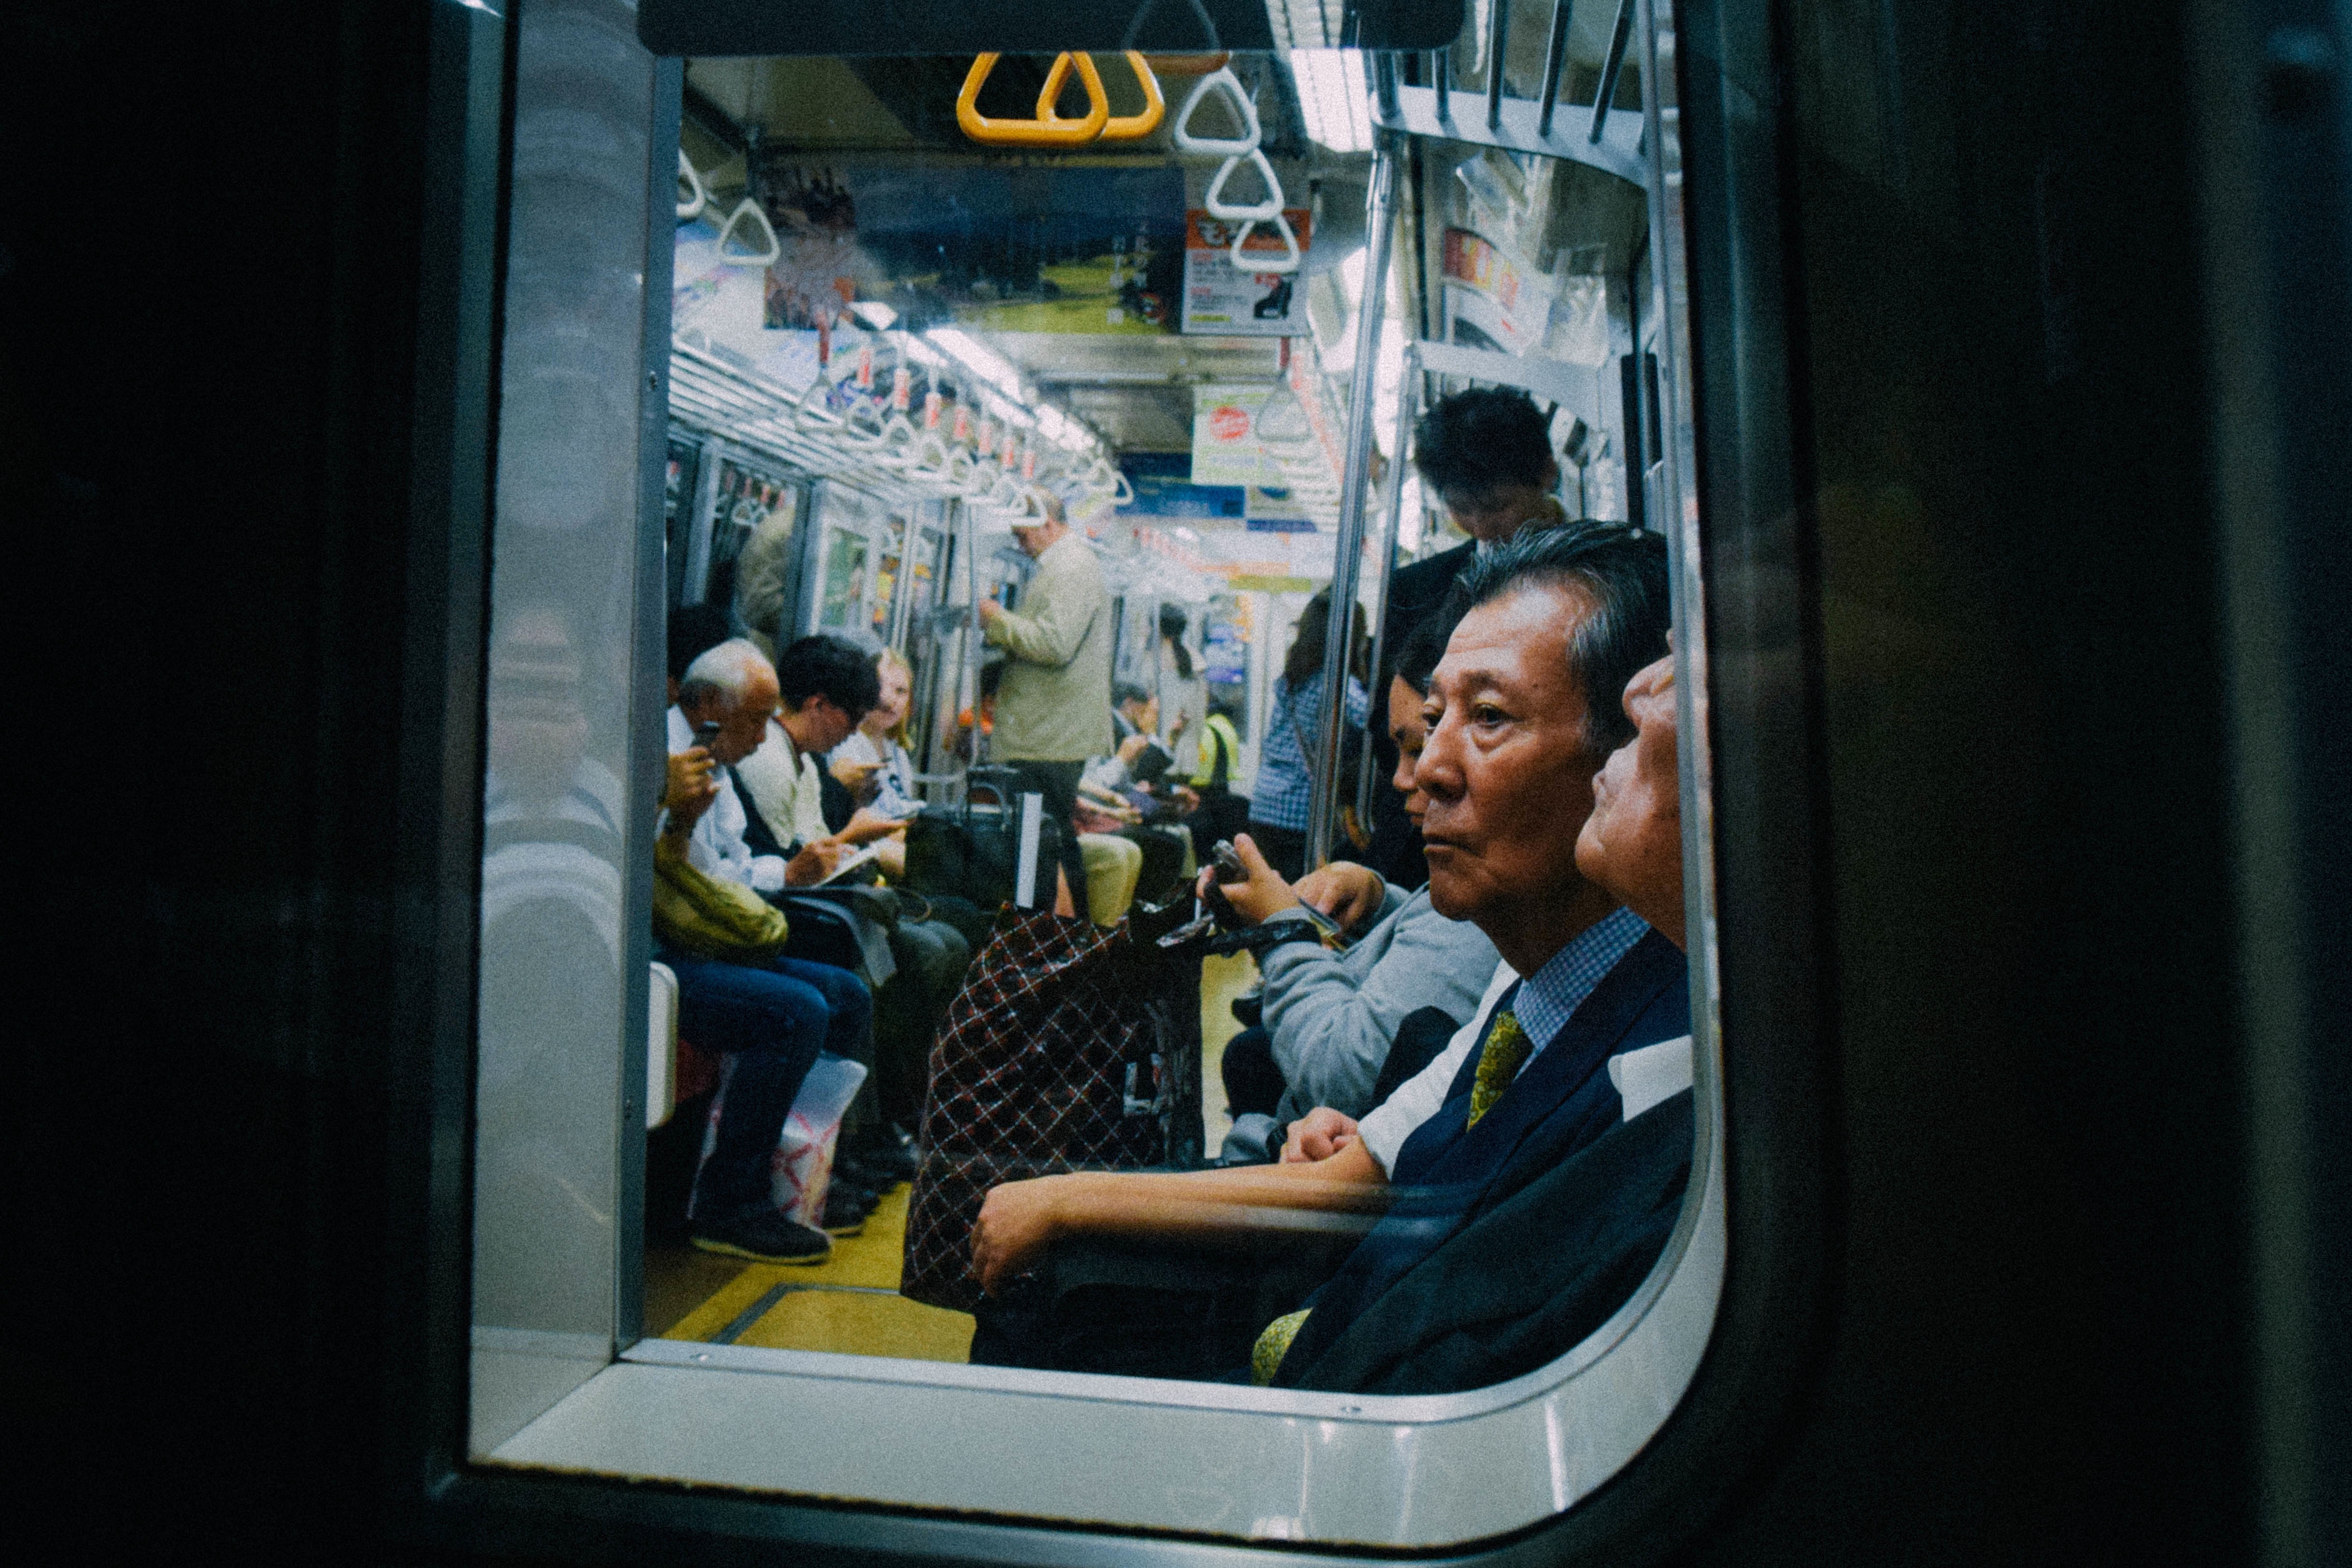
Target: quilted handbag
1069,1048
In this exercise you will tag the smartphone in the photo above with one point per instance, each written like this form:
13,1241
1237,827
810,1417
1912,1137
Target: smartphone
1228,862
705,733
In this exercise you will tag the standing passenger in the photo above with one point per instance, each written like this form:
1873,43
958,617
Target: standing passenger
1286,764
1487,454
1052,710
1184,695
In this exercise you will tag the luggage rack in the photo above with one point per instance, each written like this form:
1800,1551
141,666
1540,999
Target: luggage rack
1608,142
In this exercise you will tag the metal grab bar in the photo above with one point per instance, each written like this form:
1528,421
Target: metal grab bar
1038,132
1118,126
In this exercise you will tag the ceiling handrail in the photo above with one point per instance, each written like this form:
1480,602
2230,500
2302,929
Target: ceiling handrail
1036,133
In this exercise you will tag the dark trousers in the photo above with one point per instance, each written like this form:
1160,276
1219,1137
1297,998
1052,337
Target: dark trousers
1223,814
932,955
1163,862
1253,1082
770,1022
1058,783
1285,849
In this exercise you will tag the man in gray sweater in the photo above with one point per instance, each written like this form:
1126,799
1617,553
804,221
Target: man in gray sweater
1330,1017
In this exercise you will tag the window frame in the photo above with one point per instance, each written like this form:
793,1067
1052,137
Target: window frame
1762,729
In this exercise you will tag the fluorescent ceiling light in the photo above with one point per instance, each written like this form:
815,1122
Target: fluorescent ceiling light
982,361
1332,98
874,313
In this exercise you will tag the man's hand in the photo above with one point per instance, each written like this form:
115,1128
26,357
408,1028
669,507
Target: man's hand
1263,897
1017,1221
1318,1135
689,789
991,611
1347,892
1132,747
1187,799
814,863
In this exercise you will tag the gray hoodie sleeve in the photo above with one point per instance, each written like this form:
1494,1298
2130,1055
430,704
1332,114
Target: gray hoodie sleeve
1333,1014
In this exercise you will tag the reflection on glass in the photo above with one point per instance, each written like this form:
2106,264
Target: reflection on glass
844,580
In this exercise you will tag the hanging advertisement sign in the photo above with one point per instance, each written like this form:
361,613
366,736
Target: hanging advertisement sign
1225,447
1486,288
1235,302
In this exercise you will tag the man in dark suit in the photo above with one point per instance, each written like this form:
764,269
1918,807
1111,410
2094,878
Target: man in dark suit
1486,453
1508,771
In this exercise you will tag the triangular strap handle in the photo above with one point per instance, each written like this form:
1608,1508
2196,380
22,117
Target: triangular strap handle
1287,263
691,181
748,209
1235,213
1118,126
1221,79
1031,132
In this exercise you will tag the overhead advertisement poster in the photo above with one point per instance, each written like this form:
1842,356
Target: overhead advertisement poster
1236,302
1486,289
1225,447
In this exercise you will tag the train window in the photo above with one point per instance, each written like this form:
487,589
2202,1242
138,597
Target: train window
1067,395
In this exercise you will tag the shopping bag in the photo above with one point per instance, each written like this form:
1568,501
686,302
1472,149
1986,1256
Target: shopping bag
1069,1048
804,1167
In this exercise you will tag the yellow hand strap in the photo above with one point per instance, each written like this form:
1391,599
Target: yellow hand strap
1040,131
1118,126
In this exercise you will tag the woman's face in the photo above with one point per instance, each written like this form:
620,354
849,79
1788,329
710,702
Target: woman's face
886,713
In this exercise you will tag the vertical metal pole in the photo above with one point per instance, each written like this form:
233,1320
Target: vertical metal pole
1611,66
1384,82
1347,547
1442,79
972,638
699,527
1563,12
1499,38
1408,394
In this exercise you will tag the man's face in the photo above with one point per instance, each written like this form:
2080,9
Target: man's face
1036,539
1494,513
742,728
820,724
1144,716
1633,842
1504,769
1409,730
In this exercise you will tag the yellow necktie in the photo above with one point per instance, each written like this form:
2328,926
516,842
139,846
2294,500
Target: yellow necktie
1499,1061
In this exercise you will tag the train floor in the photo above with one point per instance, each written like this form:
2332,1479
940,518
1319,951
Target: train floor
850,1303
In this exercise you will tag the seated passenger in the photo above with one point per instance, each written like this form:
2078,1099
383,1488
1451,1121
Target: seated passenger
1121,795
771,1019
828,687
1484,1306
1511,752
1330,1021
872,764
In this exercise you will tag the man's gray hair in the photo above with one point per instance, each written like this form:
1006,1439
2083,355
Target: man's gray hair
725,673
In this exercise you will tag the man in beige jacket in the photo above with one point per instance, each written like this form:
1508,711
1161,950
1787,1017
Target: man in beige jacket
1053,711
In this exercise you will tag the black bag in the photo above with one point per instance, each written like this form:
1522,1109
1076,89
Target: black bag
973,851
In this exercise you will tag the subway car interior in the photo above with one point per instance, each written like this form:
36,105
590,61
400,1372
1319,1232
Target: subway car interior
1534,780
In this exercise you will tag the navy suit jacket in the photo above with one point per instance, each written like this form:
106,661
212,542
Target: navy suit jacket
1449,1174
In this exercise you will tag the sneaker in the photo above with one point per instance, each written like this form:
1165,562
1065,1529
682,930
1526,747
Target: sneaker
844,1214
764,1238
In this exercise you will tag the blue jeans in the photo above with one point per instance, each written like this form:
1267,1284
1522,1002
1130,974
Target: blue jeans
772,1020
